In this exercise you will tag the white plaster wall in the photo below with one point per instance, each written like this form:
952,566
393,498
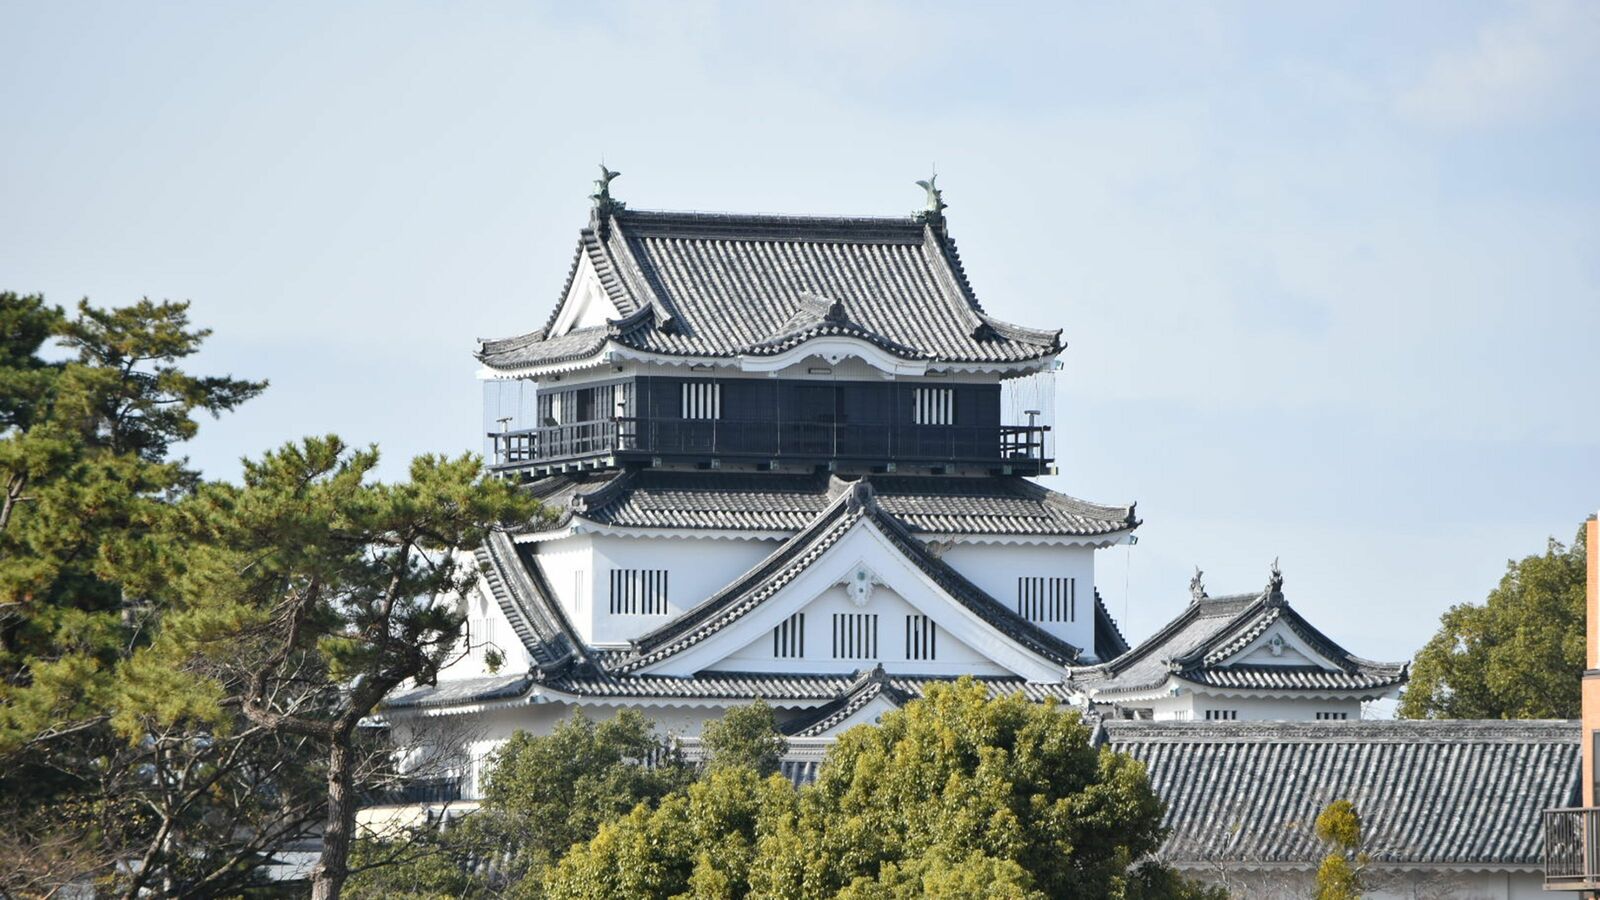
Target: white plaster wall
568,565
486,628
1191,706
996,568
696,569
952,656
862,546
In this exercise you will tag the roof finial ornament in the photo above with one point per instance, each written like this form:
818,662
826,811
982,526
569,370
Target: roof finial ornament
604,206
1197,587
933,212
1275,581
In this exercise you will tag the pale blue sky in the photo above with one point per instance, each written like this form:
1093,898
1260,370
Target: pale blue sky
1328,273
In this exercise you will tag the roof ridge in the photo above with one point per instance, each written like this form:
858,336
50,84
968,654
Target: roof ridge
666,316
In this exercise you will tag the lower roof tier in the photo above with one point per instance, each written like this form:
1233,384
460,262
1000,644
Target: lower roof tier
768,502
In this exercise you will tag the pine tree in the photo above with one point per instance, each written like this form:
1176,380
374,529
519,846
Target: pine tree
311,591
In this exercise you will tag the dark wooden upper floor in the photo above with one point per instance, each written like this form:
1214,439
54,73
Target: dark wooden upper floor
873,425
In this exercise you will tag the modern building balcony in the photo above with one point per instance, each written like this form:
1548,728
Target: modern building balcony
1012,449
1572,849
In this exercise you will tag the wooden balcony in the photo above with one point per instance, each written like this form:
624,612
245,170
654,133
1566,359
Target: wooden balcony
1572,849
1019,449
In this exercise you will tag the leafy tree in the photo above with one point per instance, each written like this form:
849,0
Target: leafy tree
96,765
745,736
311,591
83,458
1519,655
701,842
546,793
1339,876
543,795
956,795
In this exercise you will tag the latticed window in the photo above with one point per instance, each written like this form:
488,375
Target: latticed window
477,637
1043,599
702,400
922,638
1332,716
638,592
855,636
1219,715
789,638
933,406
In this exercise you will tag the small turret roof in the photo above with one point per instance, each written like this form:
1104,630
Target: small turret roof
1202,645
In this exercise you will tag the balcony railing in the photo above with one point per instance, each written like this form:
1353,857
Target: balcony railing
1571,849
421,791
772,440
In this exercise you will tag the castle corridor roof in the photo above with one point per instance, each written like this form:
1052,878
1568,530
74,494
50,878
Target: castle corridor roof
1463,793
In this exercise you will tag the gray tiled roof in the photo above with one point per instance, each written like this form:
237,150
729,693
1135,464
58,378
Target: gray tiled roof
1108,640
929,504
1196,647
696,284
857,695
785,563
460,690
518,586
778,689
1451,793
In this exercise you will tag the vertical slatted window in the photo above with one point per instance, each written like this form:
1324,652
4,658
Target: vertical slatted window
922,637
1042,599
702,400
1221,715
1332,716
476,636
789,638
933,406
855,636
638,592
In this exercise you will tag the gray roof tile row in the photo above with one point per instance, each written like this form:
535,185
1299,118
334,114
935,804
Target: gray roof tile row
1429,793
1198,645
928,504
704,285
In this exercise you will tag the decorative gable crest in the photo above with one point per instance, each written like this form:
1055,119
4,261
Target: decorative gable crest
860,584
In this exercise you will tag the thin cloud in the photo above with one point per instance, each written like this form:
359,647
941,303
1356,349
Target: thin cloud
1519,70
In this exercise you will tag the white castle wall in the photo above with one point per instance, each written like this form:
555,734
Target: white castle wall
996,568
951,656
1192,706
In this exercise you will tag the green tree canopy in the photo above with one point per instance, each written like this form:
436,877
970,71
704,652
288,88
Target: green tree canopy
1339,876
311,591
91,404
957,795
746,736
1519,655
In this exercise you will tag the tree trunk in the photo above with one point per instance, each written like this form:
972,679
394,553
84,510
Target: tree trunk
327,879
14,486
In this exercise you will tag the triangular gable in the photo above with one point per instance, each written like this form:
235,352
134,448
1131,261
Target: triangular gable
852,532
1267,631
586,303
865,702
1276,645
